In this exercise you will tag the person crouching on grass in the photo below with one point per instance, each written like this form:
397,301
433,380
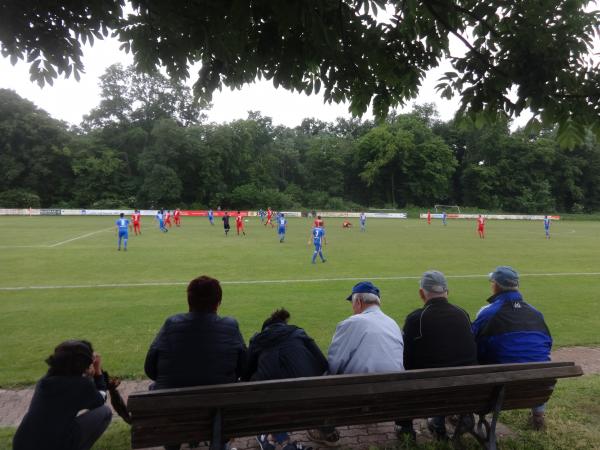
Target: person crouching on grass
74,383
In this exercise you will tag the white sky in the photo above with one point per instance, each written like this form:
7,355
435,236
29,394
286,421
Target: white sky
69,100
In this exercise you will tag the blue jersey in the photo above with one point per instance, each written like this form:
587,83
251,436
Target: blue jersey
547,223
282,223
363,218
318,233
210,213
123,225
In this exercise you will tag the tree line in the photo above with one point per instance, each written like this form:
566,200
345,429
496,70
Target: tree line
147,144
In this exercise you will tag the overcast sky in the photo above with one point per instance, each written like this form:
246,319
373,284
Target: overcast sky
69,100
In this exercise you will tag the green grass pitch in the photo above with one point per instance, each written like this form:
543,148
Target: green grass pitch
78,286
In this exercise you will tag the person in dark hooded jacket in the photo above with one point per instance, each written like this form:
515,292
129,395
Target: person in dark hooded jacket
282,351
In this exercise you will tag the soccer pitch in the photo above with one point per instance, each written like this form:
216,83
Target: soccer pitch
62,277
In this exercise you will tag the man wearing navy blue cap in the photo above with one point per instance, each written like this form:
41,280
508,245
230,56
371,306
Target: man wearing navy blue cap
509,330
366,342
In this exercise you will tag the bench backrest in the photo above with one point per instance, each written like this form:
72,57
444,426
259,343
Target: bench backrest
172,416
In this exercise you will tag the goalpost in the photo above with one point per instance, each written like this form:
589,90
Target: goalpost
447,208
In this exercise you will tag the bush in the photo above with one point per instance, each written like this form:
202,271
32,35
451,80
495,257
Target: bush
19,198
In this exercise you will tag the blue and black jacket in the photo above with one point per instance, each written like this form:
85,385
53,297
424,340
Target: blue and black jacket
509,330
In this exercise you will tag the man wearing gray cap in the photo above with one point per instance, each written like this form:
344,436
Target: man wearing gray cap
367,342
437,335
509,330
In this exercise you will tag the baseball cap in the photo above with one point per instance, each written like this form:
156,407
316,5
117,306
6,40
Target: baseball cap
505,276
434,281
364,287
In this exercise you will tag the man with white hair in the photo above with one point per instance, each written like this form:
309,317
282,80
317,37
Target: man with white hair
437,335
367,342
510,330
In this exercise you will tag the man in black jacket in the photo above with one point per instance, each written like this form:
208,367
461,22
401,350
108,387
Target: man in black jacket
198,347
437,335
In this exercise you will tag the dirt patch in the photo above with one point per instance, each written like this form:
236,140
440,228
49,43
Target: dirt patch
586,357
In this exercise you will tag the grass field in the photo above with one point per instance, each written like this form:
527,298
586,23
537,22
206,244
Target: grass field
63,278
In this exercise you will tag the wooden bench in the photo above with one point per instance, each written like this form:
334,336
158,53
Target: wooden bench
214,413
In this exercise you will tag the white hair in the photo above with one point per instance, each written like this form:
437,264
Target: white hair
368,298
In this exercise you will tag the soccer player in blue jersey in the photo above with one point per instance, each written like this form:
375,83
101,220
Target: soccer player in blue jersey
363,221
123,227
211,217
318,235
281,226
160,218
547,226
444,217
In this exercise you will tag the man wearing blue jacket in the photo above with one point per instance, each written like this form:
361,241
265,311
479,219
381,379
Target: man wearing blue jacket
510,330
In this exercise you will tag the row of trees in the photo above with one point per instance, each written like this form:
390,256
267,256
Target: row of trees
146,145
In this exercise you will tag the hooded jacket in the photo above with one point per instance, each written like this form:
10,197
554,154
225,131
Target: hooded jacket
284,351
509,330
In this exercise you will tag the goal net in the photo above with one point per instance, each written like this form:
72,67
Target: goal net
447,208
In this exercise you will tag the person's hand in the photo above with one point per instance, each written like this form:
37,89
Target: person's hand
97,364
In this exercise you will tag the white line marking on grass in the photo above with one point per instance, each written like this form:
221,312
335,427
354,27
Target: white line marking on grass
79,237
308,280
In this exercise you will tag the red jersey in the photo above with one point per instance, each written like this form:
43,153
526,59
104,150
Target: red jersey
269,214
480,222
167,216
238,221
176,214
319,223
136,218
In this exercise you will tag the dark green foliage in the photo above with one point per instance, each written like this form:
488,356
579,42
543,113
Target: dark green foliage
515,55
19,198
409,159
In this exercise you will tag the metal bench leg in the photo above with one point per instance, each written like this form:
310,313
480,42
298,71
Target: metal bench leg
216,442
491,444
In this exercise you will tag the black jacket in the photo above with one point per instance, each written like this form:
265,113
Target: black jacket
50,420
438,335
195,349
284,351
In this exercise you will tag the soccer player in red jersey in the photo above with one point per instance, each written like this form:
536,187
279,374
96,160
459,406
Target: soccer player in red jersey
137,224
168,219
239,224
481,226
428,217
176,216
269,217
319,222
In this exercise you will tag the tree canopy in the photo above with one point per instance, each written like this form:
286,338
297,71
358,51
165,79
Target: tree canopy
519,54
407,159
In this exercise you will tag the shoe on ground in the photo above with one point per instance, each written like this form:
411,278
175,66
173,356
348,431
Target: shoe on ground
438,433
538,421
405,433
264,443
296,446
329,439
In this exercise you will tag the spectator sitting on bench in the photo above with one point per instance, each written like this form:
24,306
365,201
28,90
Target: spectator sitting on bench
367,342
282,351
437,335
199,347
509,330
74,383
